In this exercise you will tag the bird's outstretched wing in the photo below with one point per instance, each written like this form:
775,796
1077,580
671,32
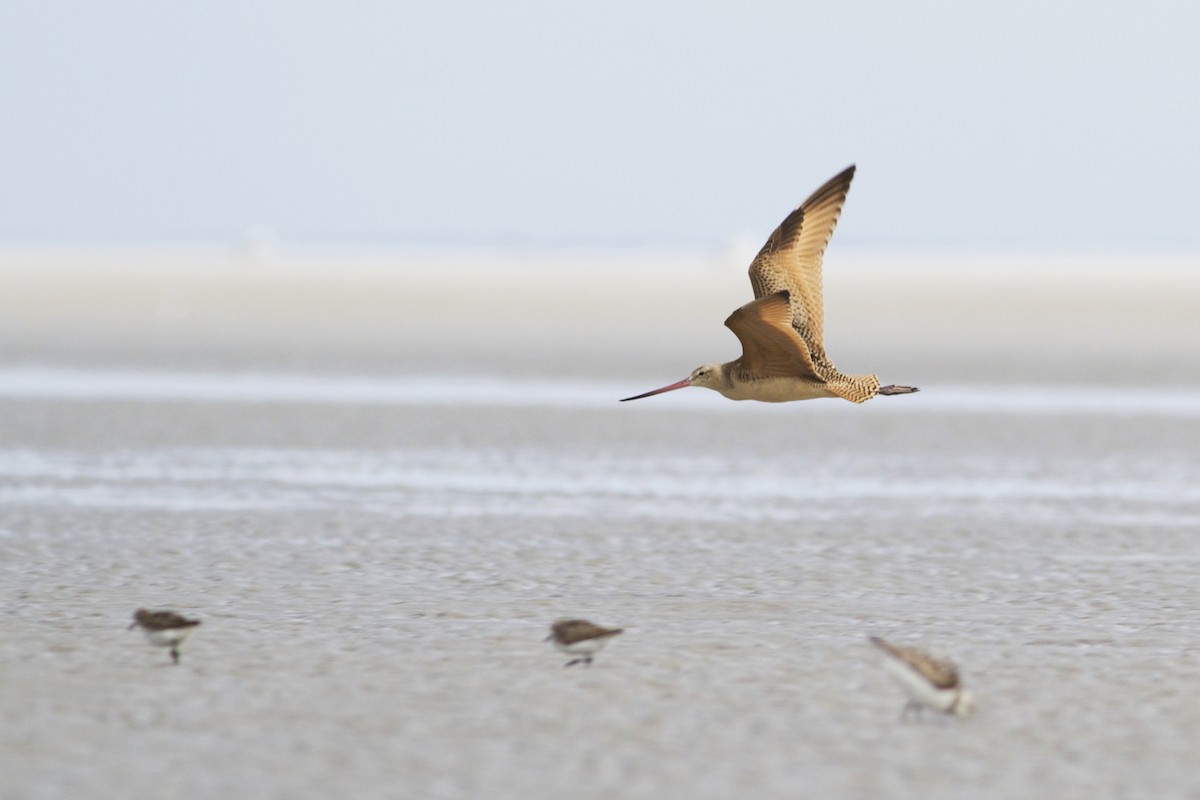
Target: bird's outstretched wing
791,259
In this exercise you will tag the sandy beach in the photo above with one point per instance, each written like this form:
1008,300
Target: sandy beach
377,480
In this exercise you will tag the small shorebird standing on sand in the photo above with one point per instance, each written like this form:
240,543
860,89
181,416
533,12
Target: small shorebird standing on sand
930,682
580,638
164,628
782,329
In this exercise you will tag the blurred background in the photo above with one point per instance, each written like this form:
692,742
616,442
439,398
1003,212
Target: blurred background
435,186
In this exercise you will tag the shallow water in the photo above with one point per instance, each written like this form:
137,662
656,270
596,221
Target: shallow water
376,561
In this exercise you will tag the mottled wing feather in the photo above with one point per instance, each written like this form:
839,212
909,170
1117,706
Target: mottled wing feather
942,674
771,348
855,388
791,258
570,631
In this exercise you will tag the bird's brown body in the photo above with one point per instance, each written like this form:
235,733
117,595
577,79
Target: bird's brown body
580,638
782,329
164,628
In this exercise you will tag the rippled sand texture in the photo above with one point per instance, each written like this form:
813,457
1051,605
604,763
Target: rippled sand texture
375,579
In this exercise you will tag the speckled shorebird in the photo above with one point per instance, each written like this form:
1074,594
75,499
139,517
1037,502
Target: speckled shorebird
580,638
164,628
782,329
930,682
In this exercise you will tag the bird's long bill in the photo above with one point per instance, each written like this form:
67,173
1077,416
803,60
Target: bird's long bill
683,384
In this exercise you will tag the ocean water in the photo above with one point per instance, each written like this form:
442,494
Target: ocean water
377,558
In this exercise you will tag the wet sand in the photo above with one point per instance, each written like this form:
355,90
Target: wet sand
375,577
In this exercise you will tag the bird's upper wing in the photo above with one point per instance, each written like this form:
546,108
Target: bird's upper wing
163,620
791,258
938,671
771,348
578,630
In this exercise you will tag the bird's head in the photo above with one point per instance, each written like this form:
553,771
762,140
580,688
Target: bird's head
709,376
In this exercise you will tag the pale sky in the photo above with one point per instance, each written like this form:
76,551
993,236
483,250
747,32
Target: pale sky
1028,125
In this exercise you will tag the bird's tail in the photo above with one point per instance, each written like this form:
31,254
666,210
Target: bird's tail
894,389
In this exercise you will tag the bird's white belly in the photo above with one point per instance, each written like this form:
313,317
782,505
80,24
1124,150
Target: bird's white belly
169,637
588,647
920,689
777,390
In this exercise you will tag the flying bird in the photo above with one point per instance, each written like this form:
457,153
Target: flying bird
782,329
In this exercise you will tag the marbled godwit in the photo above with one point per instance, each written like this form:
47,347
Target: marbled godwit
781,330
580,638
164,628
930,682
